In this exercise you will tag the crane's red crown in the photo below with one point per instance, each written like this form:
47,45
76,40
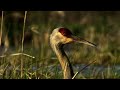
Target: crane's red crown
65,32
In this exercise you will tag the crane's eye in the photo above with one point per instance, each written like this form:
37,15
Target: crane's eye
65,32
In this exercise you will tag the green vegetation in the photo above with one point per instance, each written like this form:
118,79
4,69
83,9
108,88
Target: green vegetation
102,28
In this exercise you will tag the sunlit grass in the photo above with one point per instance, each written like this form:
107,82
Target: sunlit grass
45,64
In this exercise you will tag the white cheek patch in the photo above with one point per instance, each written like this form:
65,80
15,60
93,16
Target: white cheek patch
60,38
57,38
66,40
63,38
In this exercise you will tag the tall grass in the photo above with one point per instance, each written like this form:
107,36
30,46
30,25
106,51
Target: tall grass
22,48
41,63
1,28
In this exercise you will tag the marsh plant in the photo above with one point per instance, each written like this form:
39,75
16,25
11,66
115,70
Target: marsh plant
31,57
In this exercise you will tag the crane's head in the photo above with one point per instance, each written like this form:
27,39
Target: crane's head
63,36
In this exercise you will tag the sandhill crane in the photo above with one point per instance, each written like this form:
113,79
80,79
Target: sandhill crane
58,38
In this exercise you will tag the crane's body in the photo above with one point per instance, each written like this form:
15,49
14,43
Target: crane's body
59,37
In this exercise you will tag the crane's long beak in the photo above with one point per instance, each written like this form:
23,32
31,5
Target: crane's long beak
81,40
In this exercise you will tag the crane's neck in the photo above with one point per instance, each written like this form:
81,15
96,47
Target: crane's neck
64,61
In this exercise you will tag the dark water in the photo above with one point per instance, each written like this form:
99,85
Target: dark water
90,70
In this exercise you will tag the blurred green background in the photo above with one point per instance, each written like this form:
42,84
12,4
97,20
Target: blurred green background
99,27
